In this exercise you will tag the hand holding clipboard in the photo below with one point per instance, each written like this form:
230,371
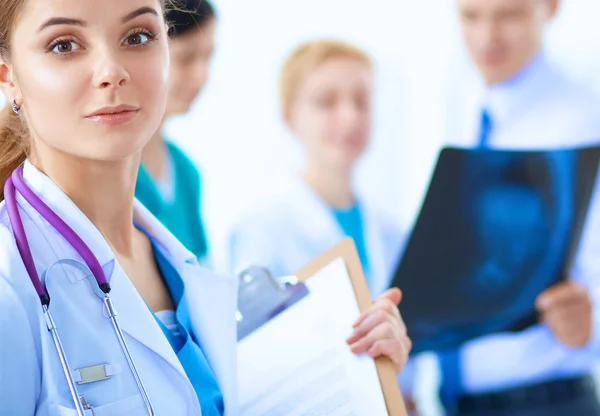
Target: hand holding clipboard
292,351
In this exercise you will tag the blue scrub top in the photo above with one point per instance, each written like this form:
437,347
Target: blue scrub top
351,222
181,215
186,345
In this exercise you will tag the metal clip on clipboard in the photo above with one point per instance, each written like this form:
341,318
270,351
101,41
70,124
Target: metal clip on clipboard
261,297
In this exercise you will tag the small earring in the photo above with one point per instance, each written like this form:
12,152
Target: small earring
15,107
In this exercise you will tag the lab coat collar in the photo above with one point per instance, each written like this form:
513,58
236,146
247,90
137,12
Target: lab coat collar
326,232
308,204
64,207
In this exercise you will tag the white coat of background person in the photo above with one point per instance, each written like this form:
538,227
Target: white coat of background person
325,91
523,101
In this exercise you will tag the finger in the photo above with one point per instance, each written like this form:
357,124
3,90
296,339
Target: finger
556,303
383,311
573,328
393,294
572,337
371,321
572,324
564,292
391,348
382,331
386,301
569,314
570,333
401,345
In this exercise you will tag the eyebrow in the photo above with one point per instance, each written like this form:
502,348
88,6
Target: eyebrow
139,12
55,21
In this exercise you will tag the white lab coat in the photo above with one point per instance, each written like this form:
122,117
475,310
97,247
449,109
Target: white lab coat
295,225
31,378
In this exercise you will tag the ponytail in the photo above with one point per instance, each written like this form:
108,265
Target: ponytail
13,145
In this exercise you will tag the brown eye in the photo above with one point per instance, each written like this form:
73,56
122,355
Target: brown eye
138,39
64,47
326,101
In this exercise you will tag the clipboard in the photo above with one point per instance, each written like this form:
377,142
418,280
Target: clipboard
263,296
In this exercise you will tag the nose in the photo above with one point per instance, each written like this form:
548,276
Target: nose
488,32
199,75
349,112
110,71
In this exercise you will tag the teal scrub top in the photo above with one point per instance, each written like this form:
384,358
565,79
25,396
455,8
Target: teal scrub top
351,222
185,344
181,215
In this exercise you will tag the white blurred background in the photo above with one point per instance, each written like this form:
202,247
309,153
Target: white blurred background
235,133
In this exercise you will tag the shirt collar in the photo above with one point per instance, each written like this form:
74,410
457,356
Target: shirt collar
506,100
66,209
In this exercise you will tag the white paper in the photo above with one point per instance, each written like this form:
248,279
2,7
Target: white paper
299,363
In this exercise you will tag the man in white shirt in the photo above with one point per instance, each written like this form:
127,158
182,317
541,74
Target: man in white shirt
524,102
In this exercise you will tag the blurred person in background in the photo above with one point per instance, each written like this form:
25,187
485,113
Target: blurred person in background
326,90
169,183
523,101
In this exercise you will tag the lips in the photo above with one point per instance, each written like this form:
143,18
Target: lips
114,115
493,57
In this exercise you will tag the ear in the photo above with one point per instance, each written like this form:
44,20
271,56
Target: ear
7,81
553,6
288,118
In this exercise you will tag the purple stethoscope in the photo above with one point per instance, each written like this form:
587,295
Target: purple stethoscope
16,183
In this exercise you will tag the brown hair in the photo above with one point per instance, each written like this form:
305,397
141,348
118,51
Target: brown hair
306,58
14,137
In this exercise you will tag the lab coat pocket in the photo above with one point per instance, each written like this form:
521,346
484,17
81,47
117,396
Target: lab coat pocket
131,406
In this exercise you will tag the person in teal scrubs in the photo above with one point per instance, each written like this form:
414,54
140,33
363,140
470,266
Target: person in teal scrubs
169,184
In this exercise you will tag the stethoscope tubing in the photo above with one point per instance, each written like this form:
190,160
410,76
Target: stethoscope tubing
16,183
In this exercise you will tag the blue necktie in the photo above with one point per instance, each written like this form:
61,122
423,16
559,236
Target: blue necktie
485,129
451,388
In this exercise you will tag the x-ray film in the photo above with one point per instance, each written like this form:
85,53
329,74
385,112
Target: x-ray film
496,228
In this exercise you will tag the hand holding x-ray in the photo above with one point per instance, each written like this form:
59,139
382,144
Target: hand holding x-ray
567,310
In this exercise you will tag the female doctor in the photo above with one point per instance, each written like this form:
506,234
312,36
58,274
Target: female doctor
102,310
325,92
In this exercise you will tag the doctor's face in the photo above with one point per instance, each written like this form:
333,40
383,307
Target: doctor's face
190,63
92,75
502,36
332,112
